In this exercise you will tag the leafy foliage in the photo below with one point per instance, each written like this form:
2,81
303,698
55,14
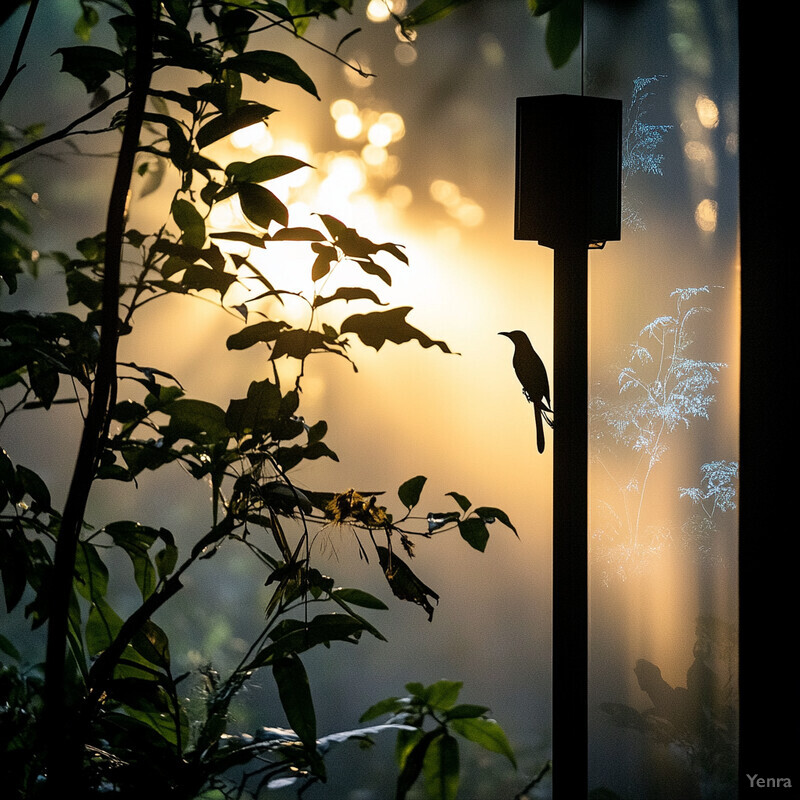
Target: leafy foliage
113,717
661,389
562,36
426,747
697,721
640,147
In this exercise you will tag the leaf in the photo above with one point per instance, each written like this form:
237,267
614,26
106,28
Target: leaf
265,64
442,694
263,169
463,503
265,332
225,124
136,540
322,263
487,733
489,514
358,597
295,694
152,644
348,293
429,11
413,760
404,583
91,65
474,531
466,711
261,206
390,705
410,491
440,768
196,420
102,626
300,234
190,221
377,327
257,412
563,32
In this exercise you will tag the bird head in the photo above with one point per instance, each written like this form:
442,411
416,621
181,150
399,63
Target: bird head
515,336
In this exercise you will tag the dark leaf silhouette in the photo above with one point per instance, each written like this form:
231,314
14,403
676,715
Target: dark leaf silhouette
378,327
404,583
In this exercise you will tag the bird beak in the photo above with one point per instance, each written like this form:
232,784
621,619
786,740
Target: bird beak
503,333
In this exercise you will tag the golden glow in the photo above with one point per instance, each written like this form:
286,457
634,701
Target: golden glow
349,126
707,111
253,136
405,53
705,215
379,10
374,155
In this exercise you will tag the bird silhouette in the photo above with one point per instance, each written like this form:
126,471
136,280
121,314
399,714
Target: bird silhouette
533,377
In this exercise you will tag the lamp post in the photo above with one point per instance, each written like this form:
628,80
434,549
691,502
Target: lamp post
568,187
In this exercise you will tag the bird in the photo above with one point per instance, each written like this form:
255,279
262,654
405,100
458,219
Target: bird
533,376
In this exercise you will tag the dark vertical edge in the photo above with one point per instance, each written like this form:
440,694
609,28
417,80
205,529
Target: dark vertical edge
570,542
770,690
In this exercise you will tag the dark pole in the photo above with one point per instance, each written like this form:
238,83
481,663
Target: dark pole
570,548
568,198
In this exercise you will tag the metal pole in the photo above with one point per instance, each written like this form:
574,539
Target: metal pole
570,541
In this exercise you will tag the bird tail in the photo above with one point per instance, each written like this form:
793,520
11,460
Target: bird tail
539,414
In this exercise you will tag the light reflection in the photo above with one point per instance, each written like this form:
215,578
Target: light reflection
253,136
707,111
705,215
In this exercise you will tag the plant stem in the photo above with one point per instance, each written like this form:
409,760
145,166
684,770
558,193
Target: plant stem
13,68
63,741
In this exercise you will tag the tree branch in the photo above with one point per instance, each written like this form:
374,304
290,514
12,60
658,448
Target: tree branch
63,741
13,68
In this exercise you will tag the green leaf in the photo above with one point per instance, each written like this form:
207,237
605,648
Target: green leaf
465,711
295,693
91,65
225,124
102,626
390,705
190,221
564,28
8,648
263,169
196,420
358,597
463,503
430,11
152,644
265,64
136,540
377,327
443,694
293,636
412,758
91,574
474,531
489,514
487,733
410,491
441,768
261,206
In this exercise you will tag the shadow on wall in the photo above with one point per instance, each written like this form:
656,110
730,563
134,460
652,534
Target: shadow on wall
691,731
